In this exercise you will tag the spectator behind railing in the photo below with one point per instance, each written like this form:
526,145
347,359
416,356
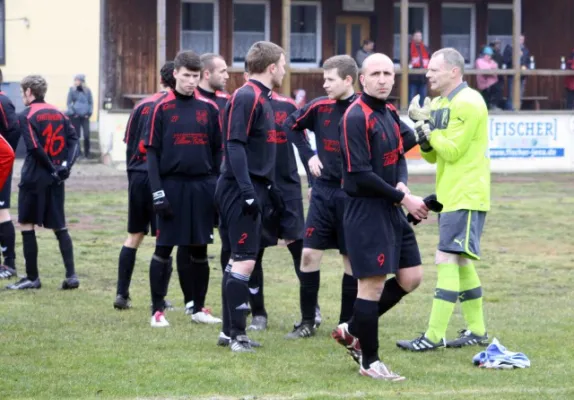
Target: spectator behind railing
524,57
569,83
496,46
487,83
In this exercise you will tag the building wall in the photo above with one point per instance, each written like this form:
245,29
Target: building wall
131,35
62,40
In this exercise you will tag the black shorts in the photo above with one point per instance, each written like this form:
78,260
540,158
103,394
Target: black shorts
324,224
141,216
241,234
5,193
292,222
379,238
192,203
42,207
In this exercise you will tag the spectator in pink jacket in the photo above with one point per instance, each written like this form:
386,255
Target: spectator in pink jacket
486,83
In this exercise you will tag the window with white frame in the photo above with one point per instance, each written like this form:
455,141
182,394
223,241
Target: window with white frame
250,25
418,21
305,32
459,29
500,24
200,26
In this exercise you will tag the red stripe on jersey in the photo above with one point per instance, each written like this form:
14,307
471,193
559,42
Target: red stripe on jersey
151,99
367,111
278,97
199,97
311,107
170,96
223,95
31,132
257,95
34,108
353,104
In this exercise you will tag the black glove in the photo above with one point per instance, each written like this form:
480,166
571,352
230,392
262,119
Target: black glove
422,129
63,172
56,178
161,205
432,204
276,201
250,205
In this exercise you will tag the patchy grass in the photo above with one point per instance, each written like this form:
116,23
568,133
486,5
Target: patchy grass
74,345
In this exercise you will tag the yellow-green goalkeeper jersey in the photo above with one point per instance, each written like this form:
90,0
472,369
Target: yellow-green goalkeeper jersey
460,150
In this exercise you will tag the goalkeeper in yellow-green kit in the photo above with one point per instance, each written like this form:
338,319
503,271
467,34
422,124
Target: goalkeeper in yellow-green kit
453,133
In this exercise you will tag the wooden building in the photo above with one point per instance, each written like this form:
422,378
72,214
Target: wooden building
139,35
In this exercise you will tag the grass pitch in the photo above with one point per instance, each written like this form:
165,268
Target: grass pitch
75,345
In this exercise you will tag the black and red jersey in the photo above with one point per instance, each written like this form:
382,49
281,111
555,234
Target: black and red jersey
248,119
322,116
186,133
286,172
220,98
371,141
45,129
9,125
136,132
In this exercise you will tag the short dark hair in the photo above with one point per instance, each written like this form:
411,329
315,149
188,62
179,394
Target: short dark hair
207,61
189,60
166,74
345,65
367,41
37,85
261,55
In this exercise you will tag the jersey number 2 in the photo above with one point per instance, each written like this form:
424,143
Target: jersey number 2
54,141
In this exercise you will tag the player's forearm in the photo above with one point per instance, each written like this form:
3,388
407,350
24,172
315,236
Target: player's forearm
43,159
402,170
239,166
153,170
429,156
447,149
301,143
73,149
310,177
370,183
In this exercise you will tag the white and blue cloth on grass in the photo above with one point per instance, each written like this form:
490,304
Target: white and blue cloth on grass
496,356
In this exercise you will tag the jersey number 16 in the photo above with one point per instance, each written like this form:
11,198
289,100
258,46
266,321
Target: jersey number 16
54,141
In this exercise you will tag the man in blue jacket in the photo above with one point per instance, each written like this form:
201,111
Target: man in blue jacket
80,108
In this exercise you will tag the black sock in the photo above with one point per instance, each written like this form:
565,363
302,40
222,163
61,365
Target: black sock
67,251
348,297
224,257
308,293
184,272
200,273
159,273
30,247
125,270
237,299
8,240
296,250
366,325
224,306
392,294
256,298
